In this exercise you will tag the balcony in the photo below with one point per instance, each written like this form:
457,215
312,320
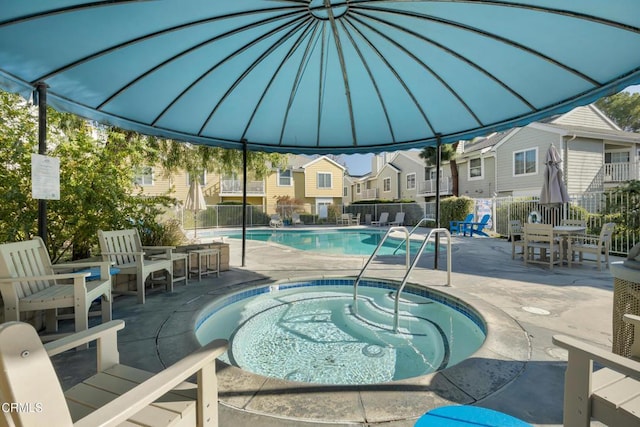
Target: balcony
428,188
371,194
233,187
619,172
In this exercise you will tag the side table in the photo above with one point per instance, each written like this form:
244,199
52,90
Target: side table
200,262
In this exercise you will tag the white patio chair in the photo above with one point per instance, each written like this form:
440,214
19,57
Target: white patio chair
116,395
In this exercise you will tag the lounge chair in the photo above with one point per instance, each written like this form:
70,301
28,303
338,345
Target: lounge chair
609,395
117,393
477,227
29,282
399,219
123,248
383,220
344,219
356,219
295,219
460,226
275,221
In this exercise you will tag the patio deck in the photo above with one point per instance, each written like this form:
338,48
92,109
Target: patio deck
522,374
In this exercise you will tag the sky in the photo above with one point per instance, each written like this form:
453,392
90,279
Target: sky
360,164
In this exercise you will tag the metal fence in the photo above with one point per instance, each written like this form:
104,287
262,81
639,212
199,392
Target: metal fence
595,208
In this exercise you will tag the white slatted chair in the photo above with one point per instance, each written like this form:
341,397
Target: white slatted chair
29,282
116,395
610,395
596,245
123,248
540,238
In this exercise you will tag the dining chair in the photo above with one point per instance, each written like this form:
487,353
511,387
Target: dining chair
516,235
574,222
597,245
540,237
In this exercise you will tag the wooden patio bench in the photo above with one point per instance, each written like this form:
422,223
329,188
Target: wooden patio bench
610,395
115,395
29,282
123,248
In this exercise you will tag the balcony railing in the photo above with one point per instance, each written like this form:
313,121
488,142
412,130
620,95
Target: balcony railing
429,187
620,172
233,186
370,194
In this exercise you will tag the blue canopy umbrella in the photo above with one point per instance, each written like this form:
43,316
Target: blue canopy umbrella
319,76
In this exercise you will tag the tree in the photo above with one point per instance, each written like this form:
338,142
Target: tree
448,153
96,179
623,108
195,159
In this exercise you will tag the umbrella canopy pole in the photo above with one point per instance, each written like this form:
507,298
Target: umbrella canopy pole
41,93
244,199
438,154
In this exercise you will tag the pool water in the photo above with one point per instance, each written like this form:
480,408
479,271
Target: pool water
341,241
310,333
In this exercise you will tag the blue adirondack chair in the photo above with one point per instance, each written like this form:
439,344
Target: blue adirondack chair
460,226
477,227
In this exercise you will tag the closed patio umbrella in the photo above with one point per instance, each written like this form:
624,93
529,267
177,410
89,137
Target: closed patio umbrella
554,192
195,202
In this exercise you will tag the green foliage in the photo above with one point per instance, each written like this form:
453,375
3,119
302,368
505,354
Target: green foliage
168,233
623,108
622,206
96,180
197,158
455,209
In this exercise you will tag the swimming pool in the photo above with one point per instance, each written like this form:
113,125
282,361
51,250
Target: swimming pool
307,331
332,241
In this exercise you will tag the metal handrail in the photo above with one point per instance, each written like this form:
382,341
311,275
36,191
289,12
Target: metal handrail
423,219
435,231
375,252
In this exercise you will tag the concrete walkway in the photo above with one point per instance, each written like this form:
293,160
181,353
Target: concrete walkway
522,375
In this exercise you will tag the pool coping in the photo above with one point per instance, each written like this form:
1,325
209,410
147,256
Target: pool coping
498,362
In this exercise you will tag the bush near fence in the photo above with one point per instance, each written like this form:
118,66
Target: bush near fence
455,209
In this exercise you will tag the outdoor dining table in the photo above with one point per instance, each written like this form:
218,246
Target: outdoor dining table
565,232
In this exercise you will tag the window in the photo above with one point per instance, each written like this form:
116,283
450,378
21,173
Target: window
202,179
617,157
432,174
411,181
144,176
284,178
386,184
525,162
345,192
475,169
324,179
358,188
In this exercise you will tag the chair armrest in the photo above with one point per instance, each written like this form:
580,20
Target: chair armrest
139,253
83,337
123,407
79,274
613,361
158,248
82,265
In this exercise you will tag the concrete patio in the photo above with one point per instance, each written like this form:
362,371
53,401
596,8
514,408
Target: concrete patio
522,373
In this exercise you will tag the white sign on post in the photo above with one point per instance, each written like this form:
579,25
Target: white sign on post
45,177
